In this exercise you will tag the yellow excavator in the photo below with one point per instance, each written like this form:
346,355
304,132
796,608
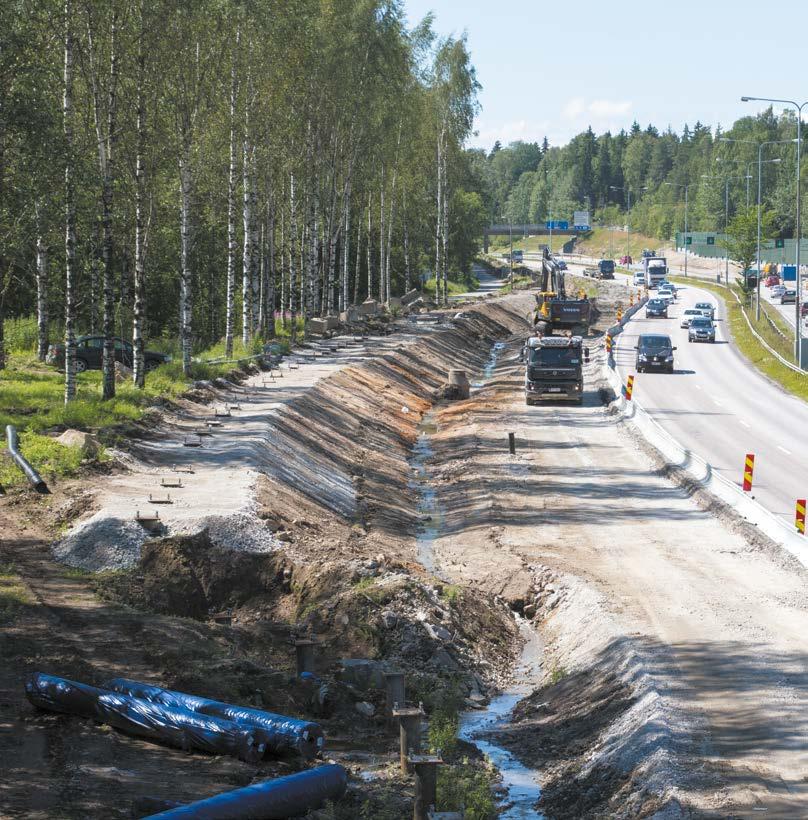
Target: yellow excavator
556,313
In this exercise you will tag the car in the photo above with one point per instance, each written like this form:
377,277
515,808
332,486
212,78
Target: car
647,253
771,280
667,285
665,293
689,315
654,352
777,290
89,354
701,329
707,309
788,297
656,309
625,260
639,278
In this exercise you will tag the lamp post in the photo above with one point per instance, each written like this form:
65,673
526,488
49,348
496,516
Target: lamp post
726,220
798,231
761,162
686,187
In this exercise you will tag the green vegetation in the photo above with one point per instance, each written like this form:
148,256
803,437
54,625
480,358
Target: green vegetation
13,593
455,288
557,673
466,787
452,594
519,283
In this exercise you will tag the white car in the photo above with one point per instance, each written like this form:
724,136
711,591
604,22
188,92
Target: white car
666,296
690,314
777,290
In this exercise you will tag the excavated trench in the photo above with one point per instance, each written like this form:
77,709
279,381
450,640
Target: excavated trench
479,726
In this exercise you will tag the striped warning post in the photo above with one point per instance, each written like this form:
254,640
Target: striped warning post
800,517
629,387
748,471
608,343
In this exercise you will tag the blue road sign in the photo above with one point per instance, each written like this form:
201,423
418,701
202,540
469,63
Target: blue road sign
557,225
789,273
582,228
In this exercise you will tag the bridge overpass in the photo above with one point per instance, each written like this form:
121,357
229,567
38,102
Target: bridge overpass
522,230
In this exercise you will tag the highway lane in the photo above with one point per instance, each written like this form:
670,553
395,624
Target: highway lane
720,407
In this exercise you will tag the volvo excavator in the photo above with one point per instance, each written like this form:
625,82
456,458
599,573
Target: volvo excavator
556,313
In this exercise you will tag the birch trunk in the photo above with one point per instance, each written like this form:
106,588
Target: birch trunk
270,300
139,311
284,269
70,211
407,277
358,270
246,270
370,247
346,250
41,286
292,272
383,295
186,280
438,223
231,207
445,233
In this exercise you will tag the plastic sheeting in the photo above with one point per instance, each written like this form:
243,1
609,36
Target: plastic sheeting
169,724
271,800
278,733
179,727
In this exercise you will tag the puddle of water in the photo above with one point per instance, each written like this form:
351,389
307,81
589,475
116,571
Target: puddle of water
479,728
488,370
429,511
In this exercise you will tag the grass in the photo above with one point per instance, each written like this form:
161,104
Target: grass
519,283
452,594
599,242
795,383
13,593
455,288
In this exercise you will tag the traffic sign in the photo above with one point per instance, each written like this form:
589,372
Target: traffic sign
779,243
789,273
688,240
557,225
711,240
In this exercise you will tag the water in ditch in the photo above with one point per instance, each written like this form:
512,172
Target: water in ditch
479,726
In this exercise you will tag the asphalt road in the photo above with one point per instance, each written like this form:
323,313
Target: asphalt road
718,406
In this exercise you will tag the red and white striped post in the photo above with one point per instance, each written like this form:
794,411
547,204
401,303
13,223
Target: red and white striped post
629,387
800,516
748,471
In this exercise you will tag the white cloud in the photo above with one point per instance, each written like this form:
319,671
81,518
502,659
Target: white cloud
507,132
608,108
574,108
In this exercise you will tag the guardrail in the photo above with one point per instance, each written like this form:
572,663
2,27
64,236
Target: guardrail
702,472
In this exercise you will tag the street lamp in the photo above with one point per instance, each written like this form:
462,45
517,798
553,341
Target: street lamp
798,231
748,167
686,187
726,220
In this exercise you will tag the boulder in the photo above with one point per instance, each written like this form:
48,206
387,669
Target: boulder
316,325
84,441
370,307
362,673
122,373
367,710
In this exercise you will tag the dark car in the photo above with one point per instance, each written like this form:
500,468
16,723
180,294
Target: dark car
788,297
90,351
701,329
656,309
654,352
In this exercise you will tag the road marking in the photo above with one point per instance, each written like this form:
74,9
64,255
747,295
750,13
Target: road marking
783,449
720,404
745,423
698,387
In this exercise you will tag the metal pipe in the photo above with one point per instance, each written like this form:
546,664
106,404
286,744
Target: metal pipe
34,478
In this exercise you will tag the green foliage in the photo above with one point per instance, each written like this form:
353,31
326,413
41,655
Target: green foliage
452,594
443,727
741,243
51,459
467,788
557,673
455,288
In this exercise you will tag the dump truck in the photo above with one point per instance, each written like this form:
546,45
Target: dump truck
554,368
555,312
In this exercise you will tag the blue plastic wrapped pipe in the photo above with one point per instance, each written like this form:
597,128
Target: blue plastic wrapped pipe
270,800
169,724
62,695
179,727
279,734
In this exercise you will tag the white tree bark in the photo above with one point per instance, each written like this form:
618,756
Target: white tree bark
445,231
139,311
247,255
186,279
370,246
41,285
438,222
383,294
407,276
231,205
70,210
292,271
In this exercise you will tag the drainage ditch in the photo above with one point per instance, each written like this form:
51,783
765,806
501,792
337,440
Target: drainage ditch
480,726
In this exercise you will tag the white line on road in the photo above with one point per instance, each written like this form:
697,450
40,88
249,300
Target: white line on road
783,449
745,423
720,404
697,387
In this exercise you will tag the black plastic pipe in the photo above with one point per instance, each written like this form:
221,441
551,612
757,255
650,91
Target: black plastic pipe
34,478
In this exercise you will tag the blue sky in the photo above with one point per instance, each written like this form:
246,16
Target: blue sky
547,70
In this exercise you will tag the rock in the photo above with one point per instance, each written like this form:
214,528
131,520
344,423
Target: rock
529,611
438,633
389,619
365,709
442,660
84,441
122,373
286,537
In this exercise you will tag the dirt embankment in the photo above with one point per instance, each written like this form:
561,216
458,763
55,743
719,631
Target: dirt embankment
193,615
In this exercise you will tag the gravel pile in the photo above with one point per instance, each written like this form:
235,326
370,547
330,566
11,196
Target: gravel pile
240,532
102,542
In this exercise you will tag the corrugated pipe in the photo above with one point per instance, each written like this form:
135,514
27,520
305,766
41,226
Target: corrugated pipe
34,478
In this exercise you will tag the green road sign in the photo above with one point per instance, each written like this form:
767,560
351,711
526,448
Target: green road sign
688,240
779,243
711,240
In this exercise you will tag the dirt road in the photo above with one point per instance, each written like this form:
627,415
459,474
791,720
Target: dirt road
637,582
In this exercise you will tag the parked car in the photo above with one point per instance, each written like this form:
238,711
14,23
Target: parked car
89,354
771,280
701,329
689,315
707,309
656,309
788,297
654,352
626,260
777,290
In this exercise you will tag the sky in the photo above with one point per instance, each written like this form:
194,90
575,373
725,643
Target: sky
548,70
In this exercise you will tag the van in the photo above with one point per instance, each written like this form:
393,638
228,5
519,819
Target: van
654,352
639,277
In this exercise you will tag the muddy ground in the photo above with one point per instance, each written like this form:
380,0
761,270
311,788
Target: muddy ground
195,616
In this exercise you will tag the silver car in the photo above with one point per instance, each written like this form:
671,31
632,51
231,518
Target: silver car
689,315
706,309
